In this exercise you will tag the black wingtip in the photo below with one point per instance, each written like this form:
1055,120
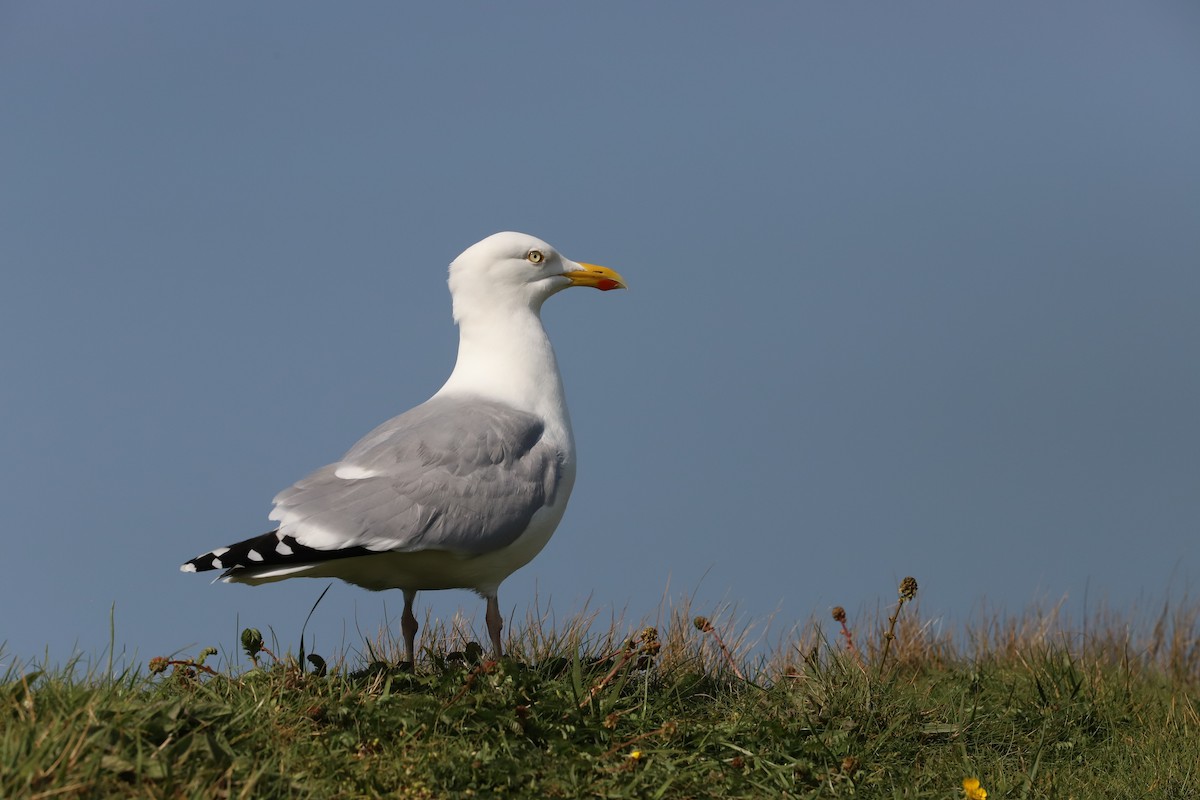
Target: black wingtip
267,550
245,553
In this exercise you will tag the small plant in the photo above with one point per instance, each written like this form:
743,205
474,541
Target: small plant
639,651
908,590
184,668
839,616
703,625
252,644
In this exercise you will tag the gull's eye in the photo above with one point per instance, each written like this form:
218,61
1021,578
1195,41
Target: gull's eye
535,257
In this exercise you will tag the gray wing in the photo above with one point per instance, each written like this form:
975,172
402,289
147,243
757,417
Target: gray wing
464,475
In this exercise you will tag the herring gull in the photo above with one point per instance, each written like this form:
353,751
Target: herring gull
467,487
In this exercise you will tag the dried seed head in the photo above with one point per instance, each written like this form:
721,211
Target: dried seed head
908,588
157,665
702,624
839,614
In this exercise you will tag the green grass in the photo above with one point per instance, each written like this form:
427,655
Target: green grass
1024,705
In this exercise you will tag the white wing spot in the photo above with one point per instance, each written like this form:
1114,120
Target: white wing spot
217,564
254,555
188,568
350,472
283,549
220,551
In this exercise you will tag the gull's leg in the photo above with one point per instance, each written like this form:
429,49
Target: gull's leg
494,623
408,625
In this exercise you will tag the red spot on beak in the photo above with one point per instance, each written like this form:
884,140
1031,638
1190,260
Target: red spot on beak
604,284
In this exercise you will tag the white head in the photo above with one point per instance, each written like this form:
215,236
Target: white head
509,271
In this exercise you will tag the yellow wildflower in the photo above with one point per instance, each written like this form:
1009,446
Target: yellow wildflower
973,789
636,755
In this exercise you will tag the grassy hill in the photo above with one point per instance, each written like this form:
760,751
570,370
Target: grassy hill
885,708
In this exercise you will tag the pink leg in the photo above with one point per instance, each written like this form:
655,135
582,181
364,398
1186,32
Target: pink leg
408,626
494,624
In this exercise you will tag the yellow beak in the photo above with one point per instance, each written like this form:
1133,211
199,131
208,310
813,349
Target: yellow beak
597,277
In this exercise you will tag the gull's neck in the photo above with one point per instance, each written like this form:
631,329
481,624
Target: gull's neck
505,355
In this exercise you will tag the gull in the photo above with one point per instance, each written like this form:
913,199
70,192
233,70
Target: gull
464,489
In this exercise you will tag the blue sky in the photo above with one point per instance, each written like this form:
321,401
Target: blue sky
914,291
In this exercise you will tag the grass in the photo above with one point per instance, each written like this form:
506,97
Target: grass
885,708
